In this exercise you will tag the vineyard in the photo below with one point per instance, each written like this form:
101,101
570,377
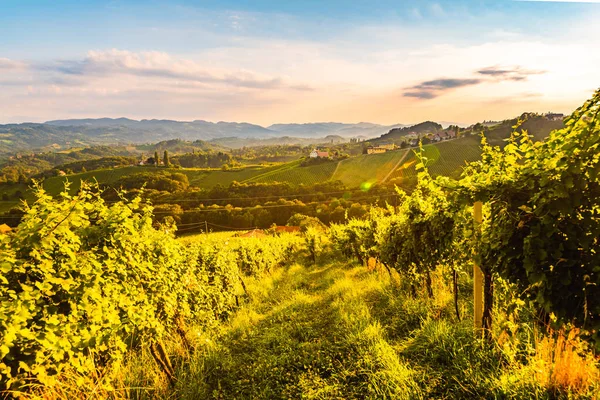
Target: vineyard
298,175
445,158
367,168
96,301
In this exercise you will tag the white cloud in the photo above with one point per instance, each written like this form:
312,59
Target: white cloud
358,75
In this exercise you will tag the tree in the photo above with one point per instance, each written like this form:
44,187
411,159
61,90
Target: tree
166,162
312,238
156,159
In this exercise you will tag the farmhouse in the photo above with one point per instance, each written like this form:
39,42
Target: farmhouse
388,146
319,154
382,148
555,117
375,150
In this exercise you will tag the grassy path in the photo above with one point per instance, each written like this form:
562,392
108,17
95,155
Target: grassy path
307,334
338,331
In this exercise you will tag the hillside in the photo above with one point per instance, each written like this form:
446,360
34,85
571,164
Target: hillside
16,138
397,134
179,146
537,126
367,169
448,157
155,129
295,174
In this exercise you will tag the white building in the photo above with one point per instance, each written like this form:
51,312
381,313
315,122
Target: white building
318,154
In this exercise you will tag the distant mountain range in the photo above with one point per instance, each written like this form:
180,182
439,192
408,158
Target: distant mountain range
153,129
62,134
319,129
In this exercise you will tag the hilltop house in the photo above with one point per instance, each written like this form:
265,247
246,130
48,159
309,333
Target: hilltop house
319,154
443,135
555,117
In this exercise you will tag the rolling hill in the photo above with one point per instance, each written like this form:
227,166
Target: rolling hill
397,134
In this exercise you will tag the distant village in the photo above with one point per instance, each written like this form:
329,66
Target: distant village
412,139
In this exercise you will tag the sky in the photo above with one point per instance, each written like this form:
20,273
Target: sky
274,61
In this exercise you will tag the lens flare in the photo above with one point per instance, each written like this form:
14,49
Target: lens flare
365,186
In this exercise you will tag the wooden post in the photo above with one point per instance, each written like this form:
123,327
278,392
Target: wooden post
477,275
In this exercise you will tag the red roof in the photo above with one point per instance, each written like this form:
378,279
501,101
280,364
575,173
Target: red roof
322,153
254,233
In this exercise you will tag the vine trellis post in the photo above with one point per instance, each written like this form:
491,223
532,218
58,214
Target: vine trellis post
477,275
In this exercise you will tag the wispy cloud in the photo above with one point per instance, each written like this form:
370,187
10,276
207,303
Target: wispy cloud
509,73
434,88
162,66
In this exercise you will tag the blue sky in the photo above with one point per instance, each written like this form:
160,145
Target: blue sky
295,61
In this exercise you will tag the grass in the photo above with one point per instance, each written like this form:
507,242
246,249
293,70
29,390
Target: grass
339,330
308,335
